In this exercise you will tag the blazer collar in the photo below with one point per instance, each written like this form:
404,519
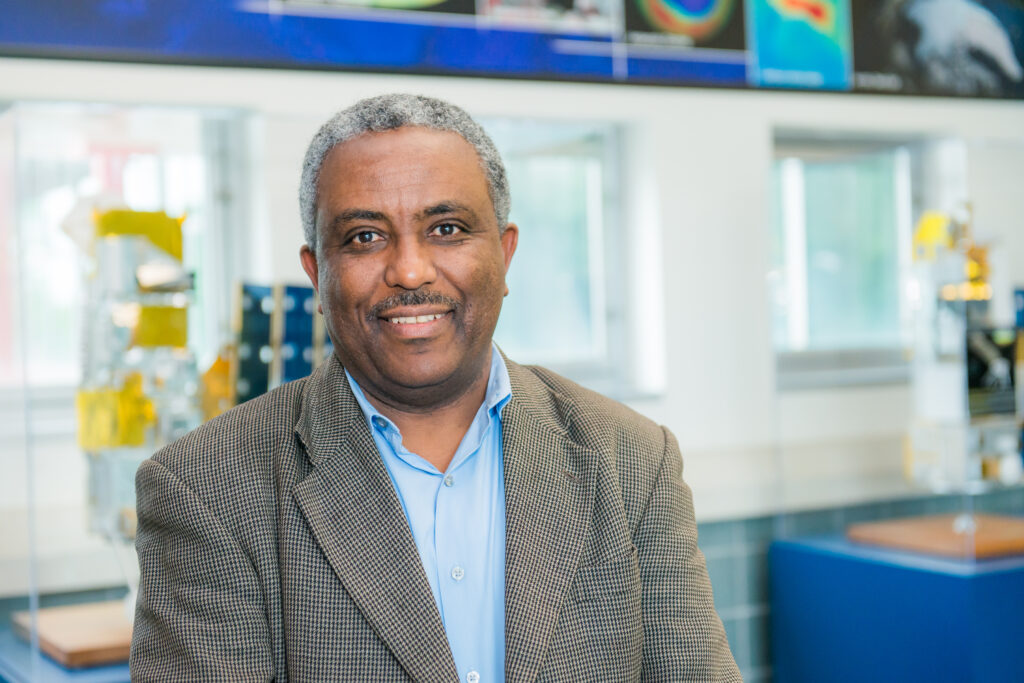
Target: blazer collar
328,412
356,517
549,496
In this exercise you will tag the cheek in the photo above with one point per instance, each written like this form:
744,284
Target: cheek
488,289
346,279
335,292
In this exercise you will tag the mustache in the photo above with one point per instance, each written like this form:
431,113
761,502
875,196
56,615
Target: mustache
416,297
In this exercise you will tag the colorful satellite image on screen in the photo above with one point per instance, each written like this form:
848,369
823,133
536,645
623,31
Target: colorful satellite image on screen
698,19
802,44
696,23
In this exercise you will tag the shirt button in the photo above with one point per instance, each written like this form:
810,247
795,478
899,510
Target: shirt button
472,677
379,422
449,480
457,574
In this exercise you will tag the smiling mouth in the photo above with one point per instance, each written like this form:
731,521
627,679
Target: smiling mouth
414,308
411,320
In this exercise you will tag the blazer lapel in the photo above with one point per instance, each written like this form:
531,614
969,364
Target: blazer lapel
356,517
548,502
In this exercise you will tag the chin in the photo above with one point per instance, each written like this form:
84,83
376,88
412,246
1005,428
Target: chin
420,375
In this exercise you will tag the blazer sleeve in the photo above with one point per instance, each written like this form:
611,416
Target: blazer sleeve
683,636
200,614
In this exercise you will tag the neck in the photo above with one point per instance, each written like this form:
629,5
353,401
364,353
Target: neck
435,433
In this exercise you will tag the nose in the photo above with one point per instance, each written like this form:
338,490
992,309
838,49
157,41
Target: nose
410,265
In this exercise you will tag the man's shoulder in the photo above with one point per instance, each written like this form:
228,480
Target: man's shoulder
588,417
239,438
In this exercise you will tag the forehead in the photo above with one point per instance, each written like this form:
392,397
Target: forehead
407,165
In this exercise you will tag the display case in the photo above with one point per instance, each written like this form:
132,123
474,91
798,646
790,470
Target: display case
137,319
898,374
116,228
965,433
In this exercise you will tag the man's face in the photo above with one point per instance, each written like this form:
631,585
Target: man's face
410,265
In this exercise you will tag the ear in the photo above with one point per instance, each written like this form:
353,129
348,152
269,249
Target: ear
509,240
309,264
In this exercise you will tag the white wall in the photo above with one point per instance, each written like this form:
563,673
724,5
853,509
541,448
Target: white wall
995,182
699,164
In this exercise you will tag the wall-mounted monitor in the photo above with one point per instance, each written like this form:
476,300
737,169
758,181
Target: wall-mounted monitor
932,47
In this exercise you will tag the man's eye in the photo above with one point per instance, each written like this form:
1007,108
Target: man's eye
365,237
446,230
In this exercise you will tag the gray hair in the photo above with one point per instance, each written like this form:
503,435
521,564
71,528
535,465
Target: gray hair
388,112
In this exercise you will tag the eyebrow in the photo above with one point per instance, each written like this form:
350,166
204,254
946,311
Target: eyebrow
445,207
349,215
439,209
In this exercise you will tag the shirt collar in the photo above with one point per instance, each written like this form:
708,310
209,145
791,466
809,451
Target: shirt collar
499,390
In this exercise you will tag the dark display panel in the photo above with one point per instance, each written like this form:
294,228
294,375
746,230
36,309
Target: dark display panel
940,47
932,47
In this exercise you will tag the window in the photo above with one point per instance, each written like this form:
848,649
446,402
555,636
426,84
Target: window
841,235
561,311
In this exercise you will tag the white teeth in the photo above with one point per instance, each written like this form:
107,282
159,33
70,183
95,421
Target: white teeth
415,319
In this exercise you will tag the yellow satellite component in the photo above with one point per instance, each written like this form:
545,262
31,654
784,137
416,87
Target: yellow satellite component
161,326
966,291
162,230
932,233
97,418
135,412
977,268
216,390
110,417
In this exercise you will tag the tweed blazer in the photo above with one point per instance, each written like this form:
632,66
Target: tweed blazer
273,546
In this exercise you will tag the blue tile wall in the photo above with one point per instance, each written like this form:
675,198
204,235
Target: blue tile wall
736,552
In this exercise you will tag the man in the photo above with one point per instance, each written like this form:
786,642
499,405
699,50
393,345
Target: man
420,508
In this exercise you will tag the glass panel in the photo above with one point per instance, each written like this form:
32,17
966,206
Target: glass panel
64,294
921,479
18,588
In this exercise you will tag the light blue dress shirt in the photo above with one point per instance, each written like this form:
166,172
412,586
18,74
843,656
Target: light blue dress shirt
457,518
